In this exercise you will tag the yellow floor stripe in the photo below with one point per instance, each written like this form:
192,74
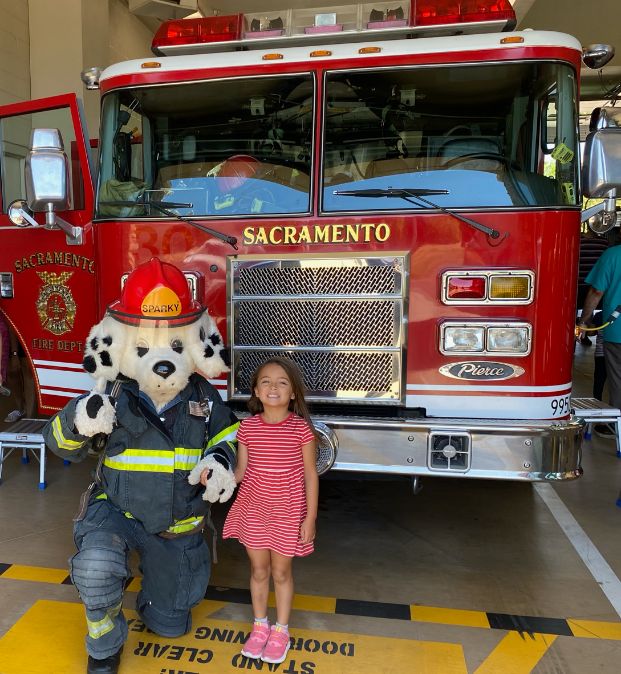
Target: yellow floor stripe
306,602
516,654
448,616
586,629
593,629
213,645
38,574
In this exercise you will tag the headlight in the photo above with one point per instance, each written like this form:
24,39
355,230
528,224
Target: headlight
463,339
508,339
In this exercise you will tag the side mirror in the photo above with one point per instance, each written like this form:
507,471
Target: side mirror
601,177
601,170
47,172
47,182
596,56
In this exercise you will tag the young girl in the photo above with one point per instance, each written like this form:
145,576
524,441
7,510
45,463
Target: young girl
275,510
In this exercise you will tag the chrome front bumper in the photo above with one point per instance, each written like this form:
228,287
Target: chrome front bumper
491,449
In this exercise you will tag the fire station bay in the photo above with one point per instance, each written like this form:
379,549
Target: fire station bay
309,360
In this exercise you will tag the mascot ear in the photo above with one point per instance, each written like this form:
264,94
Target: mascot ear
104,348
207,348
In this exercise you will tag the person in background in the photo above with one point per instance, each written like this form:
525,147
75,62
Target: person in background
605,286
592,247
599,370
16,374
4,356
275,510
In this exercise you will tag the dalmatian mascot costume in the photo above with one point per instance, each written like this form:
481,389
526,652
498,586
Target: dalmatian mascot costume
157,425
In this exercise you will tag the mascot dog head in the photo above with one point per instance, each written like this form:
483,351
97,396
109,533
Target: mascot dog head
155,334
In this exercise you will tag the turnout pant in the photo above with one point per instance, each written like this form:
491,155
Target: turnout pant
175,577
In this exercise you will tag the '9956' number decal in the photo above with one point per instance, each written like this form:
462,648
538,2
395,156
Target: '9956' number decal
560,406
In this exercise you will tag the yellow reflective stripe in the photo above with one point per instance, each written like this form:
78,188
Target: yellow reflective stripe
61,440
97,628
232,447
180,526
143,460
227,435
186,459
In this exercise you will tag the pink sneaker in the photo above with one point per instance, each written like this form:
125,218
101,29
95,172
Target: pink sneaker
277,646
255,643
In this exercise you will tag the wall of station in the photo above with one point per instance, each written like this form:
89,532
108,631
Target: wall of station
45,45
14,51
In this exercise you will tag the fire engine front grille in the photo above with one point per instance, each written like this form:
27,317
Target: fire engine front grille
310,323
340,320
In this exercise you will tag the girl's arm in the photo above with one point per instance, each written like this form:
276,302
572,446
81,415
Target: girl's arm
311,483
240,468
242,462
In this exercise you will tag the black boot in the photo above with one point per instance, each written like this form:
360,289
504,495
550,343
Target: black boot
109,665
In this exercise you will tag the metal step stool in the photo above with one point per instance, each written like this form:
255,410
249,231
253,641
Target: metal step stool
594,411
25,434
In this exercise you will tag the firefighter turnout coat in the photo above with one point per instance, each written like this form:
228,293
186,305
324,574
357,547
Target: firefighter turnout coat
148,456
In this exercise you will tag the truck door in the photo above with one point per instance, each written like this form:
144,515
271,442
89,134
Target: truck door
47,279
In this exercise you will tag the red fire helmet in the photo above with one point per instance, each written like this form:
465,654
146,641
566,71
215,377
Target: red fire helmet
235,170
156,291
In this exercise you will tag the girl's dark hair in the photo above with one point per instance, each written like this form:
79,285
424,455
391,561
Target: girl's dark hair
298,404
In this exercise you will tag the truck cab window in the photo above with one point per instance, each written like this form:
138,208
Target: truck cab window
222,148
394,129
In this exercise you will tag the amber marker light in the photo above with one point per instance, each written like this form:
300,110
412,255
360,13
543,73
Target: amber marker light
369,50
272,57
509,287
151,64
512,39
320,52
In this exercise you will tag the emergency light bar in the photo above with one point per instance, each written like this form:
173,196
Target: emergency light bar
293,27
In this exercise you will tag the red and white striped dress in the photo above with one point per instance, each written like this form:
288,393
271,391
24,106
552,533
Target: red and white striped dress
271,501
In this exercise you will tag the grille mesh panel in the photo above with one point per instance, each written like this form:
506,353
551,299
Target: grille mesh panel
336,280
327,323
325,371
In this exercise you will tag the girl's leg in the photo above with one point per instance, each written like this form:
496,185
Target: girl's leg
282,573
259,580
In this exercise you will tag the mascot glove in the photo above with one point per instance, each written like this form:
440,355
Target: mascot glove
94,414
220,483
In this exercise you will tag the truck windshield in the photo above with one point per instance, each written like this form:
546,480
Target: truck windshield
218,148
491,135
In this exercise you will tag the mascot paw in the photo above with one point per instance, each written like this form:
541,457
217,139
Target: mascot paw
220,483
95,414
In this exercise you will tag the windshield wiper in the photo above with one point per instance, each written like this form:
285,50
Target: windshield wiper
157,205
415,193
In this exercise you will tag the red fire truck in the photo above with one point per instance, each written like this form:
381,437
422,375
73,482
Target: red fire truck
388,195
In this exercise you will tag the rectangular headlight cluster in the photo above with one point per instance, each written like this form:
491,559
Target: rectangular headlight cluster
500,339
477,286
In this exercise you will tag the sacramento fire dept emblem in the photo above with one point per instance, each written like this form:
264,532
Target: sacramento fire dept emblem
55,304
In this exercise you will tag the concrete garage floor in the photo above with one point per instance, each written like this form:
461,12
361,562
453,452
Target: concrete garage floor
467,576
